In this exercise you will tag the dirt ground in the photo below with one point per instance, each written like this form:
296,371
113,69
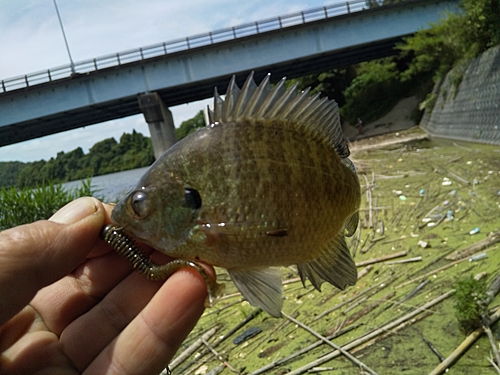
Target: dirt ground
399,118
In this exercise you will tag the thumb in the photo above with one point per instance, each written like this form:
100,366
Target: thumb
35,255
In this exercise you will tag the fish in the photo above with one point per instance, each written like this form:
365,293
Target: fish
266,183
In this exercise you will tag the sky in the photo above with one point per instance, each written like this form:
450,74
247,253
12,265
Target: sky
31,40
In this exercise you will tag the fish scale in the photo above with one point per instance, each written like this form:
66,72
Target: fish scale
253,193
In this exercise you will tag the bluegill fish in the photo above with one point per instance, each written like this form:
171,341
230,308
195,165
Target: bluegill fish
266,183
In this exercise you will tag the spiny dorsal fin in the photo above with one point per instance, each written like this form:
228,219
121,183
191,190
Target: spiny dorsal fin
321,116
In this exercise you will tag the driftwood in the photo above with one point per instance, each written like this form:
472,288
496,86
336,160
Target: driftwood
493,238
373,334
328,342
463,347
381,259
395,141
409,260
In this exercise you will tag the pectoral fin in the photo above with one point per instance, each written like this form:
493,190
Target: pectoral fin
262,287
335,265
352,224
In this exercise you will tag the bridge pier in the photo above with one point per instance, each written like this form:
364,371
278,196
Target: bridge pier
160,121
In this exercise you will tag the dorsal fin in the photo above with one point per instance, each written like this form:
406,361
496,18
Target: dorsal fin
321,116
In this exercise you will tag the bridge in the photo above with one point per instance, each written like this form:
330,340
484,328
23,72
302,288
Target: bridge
151,79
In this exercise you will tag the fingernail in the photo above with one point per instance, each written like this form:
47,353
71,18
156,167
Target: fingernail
75,211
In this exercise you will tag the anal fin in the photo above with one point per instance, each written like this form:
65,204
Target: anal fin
335,265
261,287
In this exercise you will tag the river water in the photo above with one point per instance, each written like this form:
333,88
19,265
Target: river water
111,187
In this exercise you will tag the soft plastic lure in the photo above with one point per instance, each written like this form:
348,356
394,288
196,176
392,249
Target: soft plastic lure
124,245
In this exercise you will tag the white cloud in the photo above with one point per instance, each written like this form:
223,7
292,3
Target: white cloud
31,40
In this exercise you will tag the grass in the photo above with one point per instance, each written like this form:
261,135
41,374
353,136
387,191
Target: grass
22,206
434,177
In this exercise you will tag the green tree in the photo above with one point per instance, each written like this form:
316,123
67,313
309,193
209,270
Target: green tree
331,83
191,125
373,92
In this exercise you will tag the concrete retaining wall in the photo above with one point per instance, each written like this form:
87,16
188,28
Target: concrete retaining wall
468,102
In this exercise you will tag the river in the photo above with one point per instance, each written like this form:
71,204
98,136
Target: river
111,187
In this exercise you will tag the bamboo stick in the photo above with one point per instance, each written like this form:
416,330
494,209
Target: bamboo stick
328,342
463,347
375,333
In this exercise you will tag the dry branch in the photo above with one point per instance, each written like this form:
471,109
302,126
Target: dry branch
192,348
219,357
381,259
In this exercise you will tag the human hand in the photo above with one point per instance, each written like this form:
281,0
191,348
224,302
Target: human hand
70,305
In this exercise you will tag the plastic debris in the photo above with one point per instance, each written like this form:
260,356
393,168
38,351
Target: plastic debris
474,231
249,333
478,257
423,244
402,197
446,181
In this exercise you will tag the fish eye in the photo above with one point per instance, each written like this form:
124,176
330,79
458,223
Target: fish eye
140,205
193,199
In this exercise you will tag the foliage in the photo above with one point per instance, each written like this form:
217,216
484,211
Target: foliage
455,39
469,303
191,125
331,83
9,172
26,205
373,92
107,156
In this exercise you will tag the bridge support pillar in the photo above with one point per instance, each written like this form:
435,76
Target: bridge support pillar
160,121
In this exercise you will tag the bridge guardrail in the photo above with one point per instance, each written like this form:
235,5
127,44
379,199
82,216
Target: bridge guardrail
183,44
